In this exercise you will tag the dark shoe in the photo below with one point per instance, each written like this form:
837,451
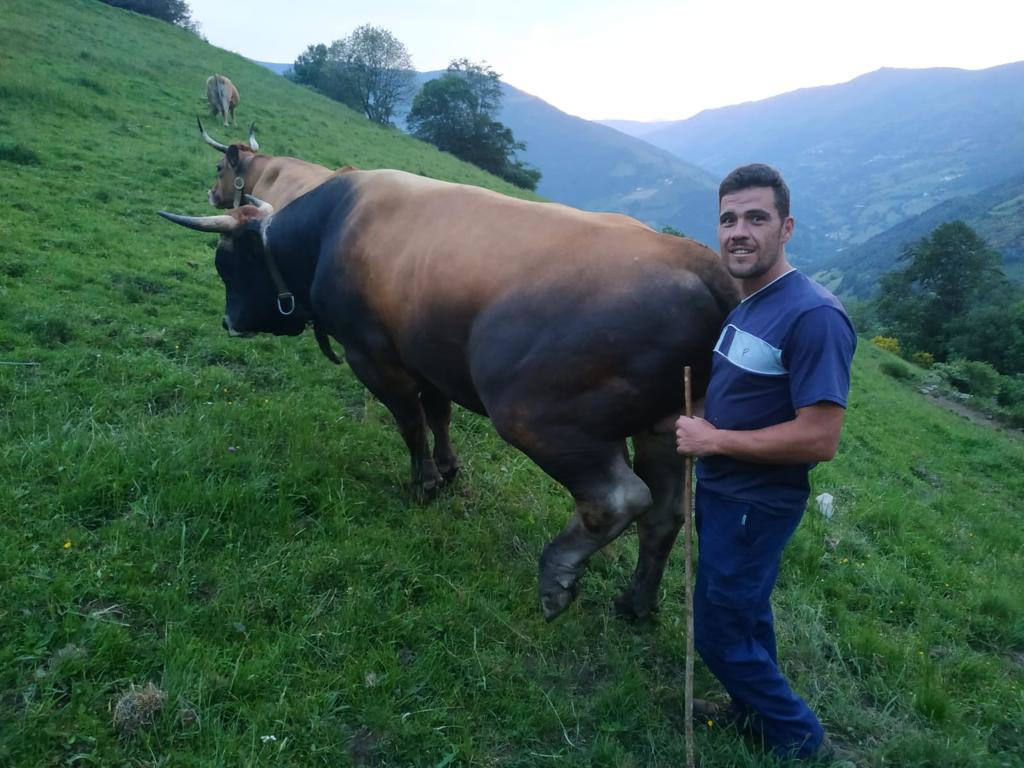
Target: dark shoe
835,753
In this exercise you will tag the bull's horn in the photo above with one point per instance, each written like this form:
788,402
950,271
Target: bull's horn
265,207
206,137
223,223
252,137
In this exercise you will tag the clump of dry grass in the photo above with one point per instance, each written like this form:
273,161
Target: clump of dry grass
136,707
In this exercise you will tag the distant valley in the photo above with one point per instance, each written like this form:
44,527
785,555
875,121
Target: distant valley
865,156
873,163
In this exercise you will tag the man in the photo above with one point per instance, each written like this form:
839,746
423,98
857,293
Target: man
774,407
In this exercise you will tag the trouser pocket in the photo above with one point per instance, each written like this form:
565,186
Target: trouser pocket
740,545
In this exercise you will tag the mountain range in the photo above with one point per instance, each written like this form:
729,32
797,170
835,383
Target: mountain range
872,163
864,156
996,213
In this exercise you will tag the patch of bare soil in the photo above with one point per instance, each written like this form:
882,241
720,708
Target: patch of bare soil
971,414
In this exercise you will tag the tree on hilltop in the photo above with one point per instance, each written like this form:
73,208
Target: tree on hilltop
370,71
175,12
456,112
952,280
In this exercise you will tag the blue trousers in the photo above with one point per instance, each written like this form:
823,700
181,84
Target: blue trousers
740,546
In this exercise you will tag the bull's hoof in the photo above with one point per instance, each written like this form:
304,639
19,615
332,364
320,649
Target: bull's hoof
448,474
556,599
629,607
426,491
559,584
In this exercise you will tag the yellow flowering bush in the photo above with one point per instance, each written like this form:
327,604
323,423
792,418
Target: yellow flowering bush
888,343
924,359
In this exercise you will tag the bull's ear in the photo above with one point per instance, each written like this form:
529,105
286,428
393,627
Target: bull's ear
233,156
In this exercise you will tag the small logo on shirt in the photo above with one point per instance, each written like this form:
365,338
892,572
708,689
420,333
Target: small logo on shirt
750,352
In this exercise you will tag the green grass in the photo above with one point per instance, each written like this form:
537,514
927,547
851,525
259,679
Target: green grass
228,519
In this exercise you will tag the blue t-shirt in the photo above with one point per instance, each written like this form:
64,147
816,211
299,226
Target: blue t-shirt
786,346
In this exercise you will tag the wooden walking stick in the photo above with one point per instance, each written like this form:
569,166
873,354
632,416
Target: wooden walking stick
688,568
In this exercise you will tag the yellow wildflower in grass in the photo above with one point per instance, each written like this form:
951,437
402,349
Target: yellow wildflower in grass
67,545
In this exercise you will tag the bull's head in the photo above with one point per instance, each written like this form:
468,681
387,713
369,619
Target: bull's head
257,300
230,183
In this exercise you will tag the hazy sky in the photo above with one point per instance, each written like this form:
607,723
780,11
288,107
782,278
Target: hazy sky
644,59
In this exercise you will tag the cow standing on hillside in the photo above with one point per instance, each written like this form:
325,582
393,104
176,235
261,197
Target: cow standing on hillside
568,329
223,97
243,171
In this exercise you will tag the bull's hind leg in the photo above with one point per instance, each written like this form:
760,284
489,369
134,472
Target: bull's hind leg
399,392
438,410
608,495
661,468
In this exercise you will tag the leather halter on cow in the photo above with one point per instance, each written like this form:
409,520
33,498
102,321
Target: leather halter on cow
568,329
238,182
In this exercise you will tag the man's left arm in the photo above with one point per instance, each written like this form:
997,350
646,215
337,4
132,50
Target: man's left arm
811,437
820,352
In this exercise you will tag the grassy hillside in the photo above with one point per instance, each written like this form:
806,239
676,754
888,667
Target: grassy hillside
227,519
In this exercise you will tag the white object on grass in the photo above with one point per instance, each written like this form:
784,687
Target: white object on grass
826,505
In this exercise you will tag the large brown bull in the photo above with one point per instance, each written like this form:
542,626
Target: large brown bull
223,97
243,171
568,329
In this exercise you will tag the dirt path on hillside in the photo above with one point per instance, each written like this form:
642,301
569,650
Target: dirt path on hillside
971,414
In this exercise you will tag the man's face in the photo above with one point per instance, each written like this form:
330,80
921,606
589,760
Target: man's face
751,235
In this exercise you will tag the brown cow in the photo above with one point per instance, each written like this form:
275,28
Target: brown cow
243,171
223,97
568,329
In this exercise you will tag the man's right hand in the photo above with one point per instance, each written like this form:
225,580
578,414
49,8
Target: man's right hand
695,436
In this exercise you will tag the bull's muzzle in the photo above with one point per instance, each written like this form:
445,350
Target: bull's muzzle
226,324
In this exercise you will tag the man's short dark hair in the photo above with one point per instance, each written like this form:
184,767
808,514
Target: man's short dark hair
757,175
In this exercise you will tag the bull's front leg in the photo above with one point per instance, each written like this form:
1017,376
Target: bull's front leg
438,411
399,392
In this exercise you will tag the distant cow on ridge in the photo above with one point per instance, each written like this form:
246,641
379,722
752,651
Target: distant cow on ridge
223,97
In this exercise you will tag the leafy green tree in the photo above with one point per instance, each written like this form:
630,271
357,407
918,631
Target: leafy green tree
370,71
172,11
316,68
993,333
310,68
484,82
456,112
951,273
